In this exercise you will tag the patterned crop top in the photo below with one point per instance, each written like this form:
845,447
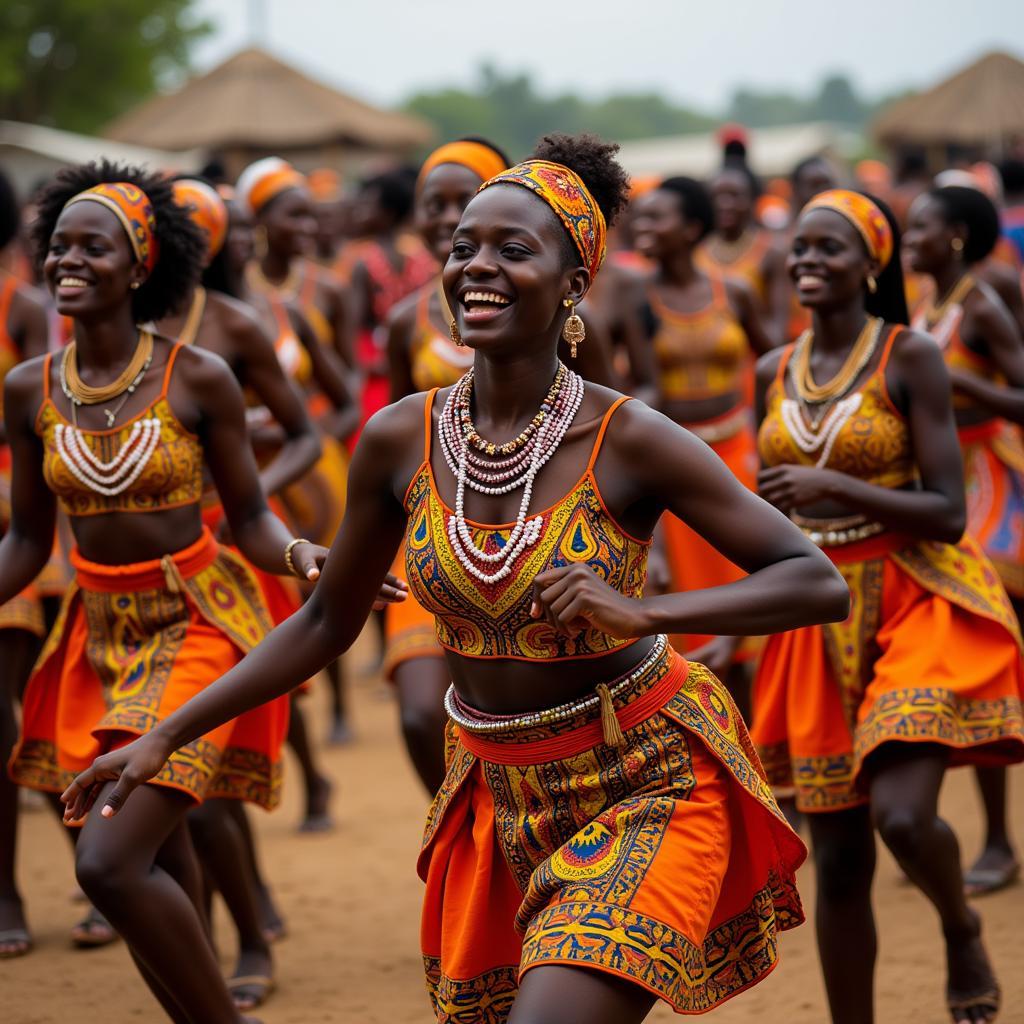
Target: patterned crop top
873,444
171,477
493,620
435,361
701,354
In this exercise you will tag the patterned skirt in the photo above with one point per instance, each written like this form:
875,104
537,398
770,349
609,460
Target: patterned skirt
993,455
667,864
131,644
929,654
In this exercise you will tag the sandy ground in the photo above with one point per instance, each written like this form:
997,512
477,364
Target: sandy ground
351,899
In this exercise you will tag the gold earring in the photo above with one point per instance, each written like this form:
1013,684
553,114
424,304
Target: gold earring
453,330
135,284
958,247
574,330
872,284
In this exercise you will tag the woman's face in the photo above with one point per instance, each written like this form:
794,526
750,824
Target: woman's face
732,200
659,227
90,266
814,178
505,277
290,223
928,241
827,261
240,243
442,198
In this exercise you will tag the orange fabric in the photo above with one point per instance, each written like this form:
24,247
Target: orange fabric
131,645
316,503
693,563
669,866
173,474
409,630
435,360
265,180
748,265
929,654
864,215
483,161
207,210
133,210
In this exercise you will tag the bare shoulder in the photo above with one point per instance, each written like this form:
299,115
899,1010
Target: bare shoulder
202,371
640,436
915,356
402,314
27,300
24,383
739,292
768,365
394,428
233,315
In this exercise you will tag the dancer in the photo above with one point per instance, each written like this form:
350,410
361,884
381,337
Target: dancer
118,429
704,330
951,230
865,716
593,848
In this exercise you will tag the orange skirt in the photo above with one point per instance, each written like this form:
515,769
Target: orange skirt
316,503
993,455
693,563
929,654
132,644
409,630
668,865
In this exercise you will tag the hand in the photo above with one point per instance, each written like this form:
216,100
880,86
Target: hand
130,766
392,591
789,487
963,380
717,654
574,598
308,560
659,576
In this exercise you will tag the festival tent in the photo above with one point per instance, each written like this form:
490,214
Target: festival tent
977,113
255,105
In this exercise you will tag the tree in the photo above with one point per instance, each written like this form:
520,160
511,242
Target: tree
76,64
837,101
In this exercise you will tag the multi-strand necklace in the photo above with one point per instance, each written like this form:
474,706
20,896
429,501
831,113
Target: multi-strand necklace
490,468
724,252
109,477
815,418
944,317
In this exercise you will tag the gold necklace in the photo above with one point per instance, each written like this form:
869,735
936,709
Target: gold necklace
288,289
79,393
727,253
190,328
956,296
814,394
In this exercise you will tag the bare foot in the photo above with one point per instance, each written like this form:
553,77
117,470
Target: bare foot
93,931
253,981
995,869
15,939
318,799
972,991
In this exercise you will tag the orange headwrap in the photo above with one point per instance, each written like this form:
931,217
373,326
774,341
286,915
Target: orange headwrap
262,181
483,161
131,206
324,184
864,215
207,210
563,190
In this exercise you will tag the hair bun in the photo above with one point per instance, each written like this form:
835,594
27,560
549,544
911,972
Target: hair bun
594,161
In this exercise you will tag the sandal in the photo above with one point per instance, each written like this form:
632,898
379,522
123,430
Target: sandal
251,990
93,931
17,937
984,881
989,1001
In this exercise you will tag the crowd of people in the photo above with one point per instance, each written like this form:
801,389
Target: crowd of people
688,517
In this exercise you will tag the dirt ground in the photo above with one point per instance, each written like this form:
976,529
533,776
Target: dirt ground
351,899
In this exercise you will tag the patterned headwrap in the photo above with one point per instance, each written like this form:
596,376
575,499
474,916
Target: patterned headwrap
131,206
563,190
483,161
207,210
864,215
262,181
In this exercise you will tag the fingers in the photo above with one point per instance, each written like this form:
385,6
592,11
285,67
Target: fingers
118,795
305,559
544,596
568,611
396,582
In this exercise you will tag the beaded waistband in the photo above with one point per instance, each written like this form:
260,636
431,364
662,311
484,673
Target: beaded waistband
722,427
831,533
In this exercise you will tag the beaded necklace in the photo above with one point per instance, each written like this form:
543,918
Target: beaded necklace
522,460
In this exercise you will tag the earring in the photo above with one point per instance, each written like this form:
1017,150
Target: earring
134,285
958,248
453,330
872,284
574,330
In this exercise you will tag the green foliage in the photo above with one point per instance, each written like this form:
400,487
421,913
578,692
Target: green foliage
76,64
836,100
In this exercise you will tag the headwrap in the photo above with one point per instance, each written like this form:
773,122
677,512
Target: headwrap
207,210
324,184
262,181
864,215
131,206
483,161
563,190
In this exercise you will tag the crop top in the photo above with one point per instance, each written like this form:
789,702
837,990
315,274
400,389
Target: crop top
872,445
493,620
435,361
170,478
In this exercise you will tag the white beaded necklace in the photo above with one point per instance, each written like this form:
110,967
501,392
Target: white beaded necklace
501,476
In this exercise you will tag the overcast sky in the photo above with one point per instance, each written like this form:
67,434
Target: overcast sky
691,51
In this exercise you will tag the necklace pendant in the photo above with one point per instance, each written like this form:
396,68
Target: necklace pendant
111,416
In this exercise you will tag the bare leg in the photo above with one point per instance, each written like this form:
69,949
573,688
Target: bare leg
844,864
421,683
119,868
318,787
341,725
905,787
576,995
272,923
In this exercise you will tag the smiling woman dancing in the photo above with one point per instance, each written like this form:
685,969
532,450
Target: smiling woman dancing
604,836
118,430
865,716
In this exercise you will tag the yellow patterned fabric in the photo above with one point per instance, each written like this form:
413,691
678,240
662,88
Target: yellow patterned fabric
864,215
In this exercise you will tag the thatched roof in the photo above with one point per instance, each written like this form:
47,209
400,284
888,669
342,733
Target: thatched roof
979,106
256,101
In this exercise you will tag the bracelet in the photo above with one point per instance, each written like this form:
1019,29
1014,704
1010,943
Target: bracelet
289,547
